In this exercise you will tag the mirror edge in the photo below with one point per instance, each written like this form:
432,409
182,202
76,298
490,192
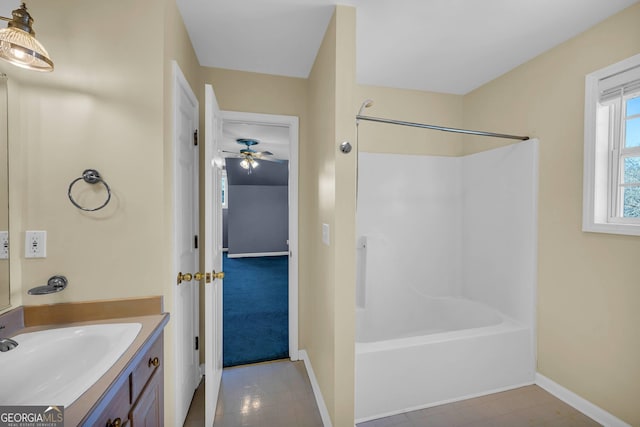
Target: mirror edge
5,281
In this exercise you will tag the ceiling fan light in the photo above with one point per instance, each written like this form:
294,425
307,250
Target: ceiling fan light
254,163
244,164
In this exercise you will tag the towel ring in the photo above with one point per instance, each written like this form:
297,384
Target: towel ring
90,176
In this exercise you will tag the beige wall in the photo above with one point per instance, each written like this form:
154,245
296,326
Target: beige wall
106,106
102,109
329,298
344,227
318,299
588,288
411,106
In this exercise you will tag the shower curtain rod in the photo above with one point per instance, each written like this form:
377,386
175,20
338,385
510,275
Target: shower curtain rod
441,128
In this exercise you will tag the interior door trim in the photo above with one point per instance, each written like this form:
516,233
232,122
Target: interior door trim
292,123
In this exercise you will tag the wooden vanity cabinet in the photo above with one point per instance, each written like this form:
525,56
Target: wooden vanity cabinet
147,411
139,397
116,409
147,389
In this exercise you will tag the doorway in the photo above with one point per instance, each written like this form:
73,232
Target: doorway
261,287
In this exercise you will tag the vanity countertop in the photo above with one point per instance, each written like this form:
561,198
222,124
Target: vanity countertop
152,328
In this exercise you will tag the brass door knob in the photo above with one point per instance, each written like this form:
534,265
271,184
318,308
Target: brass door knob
198,276
115,423
208,277
155,362
186,277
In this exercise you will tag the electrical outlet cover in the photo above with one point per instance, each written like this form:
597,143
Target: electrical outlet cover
4,245
35,244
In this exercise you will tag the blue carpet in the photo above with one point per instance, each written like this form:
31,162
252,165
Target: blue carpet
255,309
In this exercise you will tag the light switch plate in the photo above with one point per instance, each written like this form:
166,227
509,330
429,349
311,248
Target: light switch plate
325,234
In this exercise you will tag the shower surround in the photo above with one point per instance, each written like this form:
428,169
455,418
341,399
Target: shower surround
446,283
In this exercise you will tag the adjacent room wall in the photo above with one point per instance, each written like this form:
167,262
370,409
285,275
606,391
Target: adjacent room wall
258,219
317,298
588,284
328,302
345,218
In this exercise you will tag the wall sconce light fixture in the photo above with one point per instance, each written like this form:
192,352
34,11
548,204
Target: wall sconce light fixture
18,44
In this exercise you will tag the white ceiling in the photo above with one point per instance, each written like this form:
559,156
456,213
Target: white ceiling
450,46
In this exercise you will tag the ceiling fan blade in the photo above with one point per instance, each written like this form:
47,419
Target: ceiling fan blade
273,159
260,154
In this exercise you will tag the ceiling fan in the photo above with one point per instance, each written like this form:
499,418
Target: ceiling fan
250,156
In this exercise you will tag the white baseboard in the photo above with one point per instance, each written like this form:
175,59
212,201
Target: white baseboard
589,409
324,413
257,254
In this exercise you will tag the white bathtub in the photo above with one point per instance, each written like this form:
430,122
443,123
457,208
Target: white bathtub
434,351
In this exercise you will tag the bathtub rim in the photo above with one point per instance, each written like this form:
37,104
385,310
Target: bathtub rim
506,324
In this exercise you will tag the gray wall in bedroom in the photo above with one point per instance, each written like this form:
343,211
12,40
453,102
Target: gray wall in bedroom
257,218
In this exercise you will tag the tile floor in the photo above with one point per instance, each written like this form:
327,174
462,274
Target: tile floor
270,394
278,394
526,406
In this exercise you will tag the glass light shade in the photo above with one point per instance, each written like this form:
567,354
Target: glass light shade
244,164
23,50
254,164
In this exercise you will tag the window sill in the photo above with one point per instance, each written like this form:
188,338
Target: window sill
612,228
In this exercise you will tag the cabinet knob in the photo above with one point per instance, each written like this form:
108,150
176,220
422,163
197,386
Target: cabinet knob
115,423
155,362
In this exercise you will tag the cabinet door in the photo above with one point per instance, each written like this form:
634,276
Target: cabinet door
116,409
148,410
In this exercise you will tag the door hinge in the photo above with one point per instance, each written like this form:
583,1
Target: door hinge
195,137
195,242
197,344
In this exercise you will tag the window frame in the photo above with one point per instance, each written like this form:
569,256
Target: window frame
603,154
224,189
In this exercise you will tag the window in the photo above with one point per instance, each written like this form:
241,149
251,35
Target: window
611,201
223,189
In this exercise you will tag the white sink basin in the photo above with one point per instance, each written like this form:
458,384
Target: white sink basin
55,366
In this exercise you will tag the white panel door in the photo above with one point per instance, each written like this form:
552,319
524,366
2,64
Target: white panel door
213,254
185,314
